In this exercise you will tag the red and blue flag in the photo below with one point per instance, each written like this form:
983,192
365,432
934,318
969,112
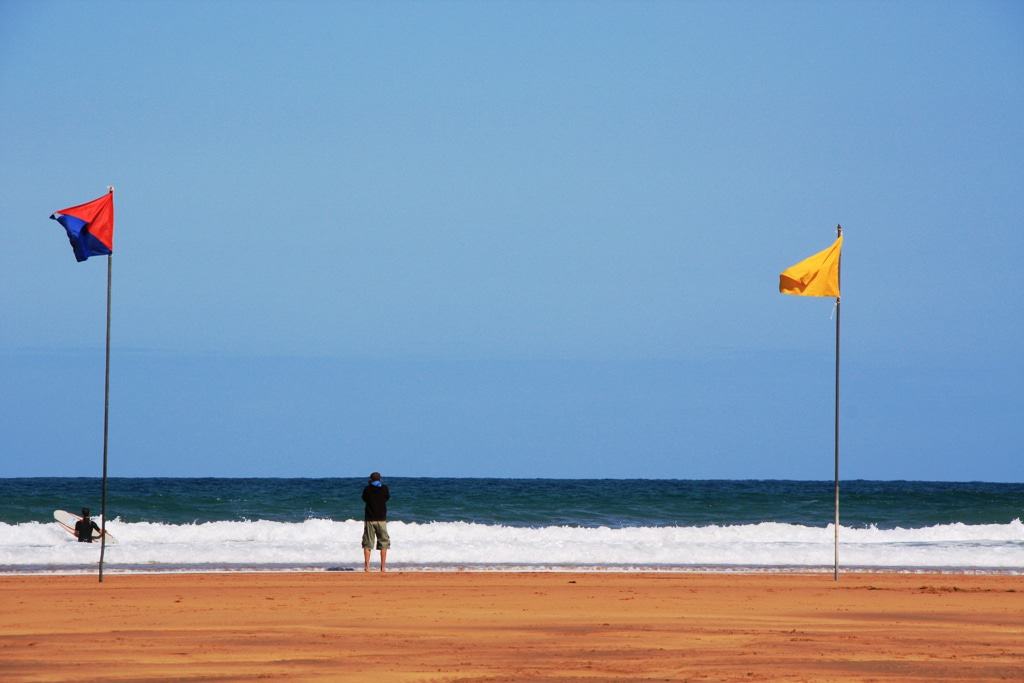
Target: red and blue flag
90,226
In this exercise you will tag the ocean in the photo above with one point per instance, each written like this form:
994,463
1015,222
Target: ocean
177,524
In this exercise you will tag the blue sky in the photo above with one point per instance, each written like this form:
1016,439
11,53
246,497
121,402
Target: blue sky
514,239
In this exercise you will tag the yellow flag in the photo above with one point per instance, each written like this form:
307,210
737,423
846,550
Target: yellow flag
816,275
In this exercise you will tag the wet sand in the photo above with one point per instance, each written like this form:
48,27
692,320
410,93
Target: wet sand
512,627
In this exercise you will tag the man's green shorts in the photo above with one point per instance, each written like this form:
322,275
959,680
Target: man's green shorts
376,533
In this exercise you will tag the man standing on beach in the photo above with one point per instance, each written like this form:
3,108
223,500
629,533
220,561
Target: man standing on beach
375,525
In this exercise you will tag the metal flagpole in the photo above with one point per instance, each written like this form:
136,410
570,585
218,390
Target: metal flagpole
106,422
839,233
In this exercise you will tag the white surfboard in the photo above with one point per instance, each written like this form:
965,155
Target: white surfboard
67,521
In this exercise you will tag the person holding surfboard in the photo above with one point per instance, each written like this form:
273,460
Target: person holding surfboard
375,525
84,528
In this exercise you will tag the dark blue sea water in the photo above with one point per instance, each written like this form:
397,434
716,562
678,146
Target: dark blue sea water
523,502
533,524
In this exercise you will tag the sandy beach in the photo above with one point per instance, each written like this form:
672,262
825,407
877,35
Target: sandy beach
511,627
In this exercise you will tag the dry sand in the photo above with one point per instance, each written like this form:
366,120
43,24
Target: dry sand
512,627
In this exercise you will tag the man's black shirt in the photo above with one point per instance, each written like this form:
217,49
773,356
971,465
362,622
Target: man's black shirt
376,498
83,529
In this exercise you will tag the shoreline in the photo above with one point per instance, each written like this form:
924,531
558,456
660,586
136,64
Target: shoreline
511,626
468,568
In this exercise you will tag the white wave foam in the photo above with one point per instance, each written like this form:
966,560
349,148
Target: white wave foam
319,542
